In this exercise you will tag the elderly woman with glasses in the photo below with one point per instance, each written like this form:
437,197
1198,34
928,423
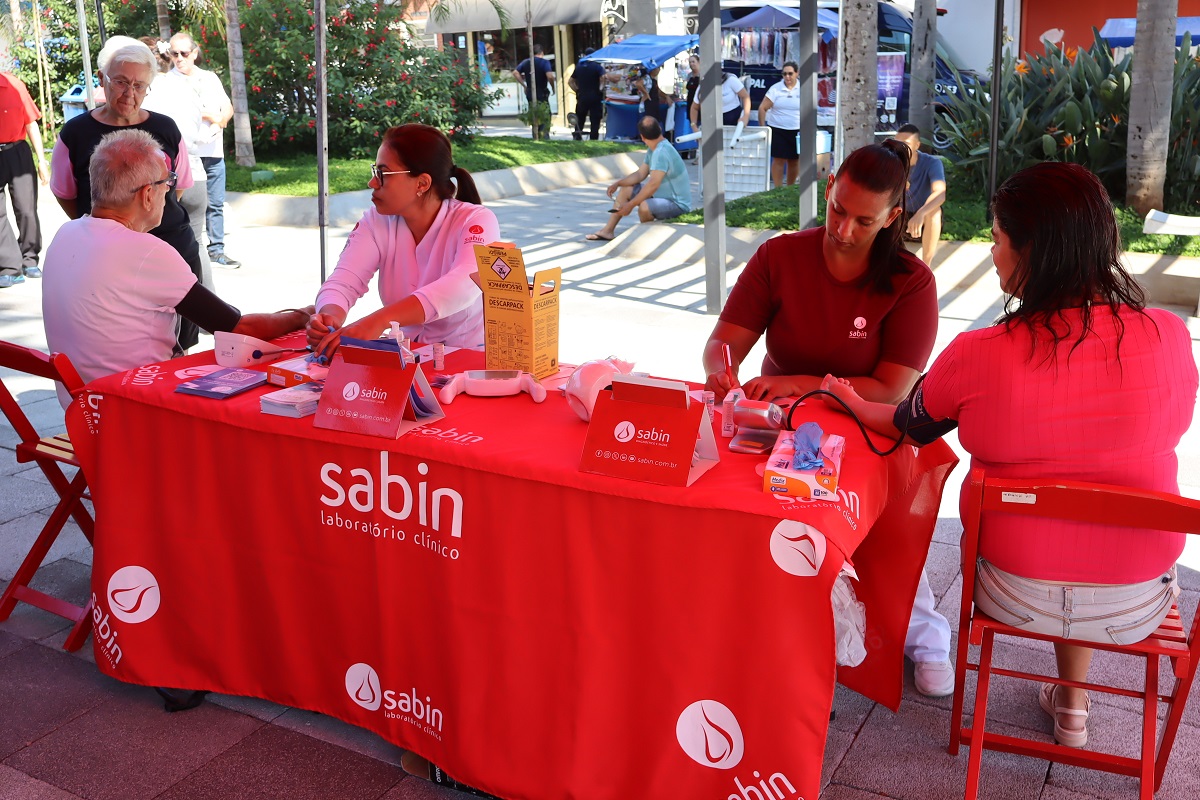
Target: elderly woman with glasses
127,68
420,237
780,109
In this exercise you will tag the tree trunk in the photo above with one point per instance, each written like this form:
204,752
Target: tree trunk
858,85
1150,104
920,90
242,142
164,20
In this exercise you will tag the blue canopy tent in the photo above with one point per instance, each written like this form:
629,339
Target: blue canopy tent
646,49
773,16
1120,32
650,51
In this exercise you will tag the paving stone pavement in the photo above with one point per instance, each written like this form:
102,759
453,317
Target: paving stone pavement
67,731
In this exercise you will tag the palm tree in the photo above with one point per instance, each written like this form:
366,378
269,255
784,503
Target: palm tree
858,82
920,91
164,20
1150,104
243,144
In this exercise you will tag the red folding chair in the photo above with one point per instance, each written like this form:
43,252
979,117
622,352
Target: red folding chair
49,453
1086,502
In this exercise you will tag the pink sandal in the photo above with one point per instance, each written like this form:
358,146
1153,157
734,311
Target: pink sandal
1065,736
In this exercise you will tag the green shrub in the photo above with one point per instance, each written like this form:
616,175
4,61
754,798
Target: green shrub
377,78
1183,153
1072,106
538,114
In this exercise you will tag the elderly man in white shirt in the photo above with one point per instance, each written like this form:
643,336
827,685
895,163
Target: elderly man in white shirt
113,295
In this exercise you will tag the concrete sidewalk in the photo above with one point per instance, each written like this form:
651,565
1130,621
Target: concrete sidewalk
66,731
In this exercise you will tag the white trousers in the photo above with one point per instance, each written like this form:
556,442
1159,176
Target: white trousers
928,636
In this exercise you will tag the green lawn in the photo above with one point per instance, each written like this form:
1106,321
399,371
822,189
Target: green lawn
965,220
297,175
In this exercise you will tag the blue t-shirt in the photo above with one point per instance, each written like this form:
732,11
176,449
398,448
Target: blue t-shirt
541,66
675,185
920,179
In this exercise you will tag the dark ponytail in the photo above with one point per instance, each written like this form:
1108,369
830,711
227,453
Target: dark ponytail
467,191
426,151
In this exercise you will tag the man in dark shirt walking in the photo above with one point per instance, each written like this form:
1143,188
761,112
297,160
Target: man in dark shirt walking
589,97
541,81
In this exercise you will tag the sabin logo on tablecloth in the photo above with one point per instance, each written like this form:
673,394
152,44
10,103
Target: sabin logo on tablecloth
362,684
709,733
798,549
133,594
411,707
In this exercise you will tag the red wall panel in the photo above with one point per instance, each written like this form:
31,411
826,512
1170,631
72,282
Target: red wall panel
1077,19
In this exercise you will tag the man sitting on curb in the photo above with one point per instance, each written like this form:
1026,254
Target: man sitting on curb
659,189
926,194
113,294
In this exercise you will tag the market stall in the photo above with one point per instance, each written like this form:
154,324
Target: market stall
648,52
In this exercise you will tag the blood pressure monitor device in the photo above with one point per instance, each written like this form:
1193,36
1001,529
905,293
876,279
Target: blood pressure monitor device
492,383
236,350
758,414
758,424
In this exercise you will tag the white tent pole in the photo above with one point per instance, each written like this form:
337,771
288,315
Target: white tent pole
322,132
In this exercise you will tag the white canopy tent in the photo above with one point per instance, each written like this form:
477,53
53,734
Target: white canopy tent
480,15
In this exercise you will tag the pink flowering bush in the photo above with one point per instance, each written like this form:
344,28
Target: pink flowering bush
377,78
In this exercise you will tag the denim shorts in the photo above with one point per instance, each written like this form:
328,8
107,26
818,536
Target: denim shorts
660,207
1111,614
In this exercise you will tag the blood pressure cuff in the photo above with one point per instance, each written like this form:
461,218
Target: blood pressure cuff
913,420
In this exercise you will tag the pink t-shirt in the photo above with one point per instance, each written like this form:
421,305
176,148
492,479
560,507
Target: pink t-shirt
817,325
1085,416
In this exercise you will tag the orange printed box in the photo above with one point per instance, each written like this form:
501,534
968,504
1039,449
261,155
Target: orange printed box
290,372
520,316
819,483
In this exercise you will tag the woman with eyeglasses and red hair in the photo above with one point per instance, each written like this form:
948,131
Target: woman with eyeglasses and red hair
420,237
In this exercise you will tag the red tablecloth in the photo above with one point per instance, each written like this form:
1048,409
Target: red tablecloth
470,595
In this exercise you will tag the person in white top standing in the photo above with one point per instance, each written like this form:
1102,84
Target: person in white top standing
173,97
217,111
420,236
735,102
780,110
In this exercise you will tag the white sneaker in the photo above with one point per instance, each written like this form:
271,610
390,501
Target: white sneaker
934,678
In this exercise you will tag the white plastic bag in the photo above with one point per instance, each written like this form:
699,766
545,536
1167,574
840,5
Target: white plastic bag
849,621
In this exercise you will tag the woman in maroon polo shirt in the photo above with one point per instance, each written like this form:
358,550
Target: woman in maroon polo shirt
845,296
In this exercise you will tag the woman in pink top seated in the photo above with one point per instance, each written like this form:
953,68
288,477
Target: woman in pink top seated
420,237
1080,381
